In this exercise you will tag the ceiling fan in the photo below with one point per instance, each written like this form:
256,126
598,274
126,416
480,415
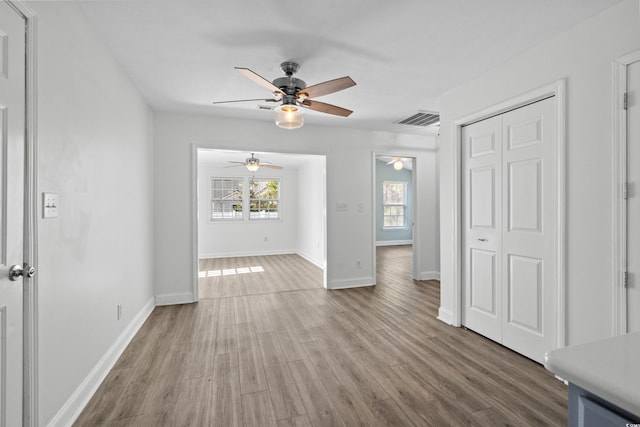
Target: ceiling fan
294,93
253,164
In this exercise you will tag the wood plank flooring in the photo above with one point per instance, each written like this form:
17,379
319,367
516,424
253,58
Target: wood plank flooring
274,348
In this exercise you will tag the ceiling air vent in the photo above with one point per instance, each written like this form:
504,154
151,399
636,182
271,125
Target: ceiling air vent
422,118
265,107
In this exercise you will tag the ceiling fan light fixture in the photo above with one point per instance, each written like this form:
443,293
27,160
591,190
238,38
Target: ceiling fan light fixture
397,165
252,163
289,116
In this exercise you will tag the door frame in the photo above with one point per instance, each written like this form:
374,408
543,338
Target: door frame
556,89
618,202
195,227
30,285
415,229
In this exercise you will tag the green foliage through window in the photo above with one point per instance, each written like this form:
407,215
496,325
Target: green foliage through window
264,198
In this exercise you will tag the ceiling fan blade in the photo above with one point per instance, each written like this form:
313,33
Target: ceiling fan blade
246,100
238,163
260,80
262,165
327,87
326,108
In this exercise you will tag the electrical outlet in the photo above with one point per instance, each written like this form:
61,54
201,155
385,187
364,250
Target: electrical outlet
49,205
266,239
119,311
358,265
342,207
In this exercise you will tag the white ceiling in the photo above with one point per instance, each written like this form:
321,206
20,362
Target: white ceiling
403,54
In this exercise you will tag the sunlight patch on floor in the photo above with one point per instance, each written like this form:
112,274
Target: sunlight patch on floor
230,271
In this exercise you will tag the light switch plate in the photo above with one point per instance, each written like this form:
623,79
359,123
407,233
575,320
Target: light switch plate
49,205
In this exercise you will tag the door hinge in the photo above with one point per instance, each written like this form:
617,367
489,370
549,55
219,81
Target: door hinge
625,191
625,279
624,100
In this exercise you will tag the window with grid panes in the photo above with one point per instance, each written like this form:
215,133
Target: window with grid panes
264,198
394,204
226,198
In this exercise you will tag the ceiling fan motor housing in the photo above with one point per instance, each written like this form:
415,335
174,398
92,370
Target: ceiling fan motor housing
289,85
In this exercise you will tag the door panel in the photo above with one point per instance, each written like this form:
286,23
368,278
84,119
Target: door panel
483,282
524,134
482,185
481,146
529,235
633,203
12,112
524,289
524,196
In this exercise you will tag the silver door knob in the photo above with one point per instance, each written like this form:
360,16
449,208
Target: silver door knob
483,240
19,270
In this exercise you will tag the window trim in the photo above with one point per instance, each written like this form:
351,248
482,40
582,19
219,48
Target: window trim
222,178
278,200
404,206
245,200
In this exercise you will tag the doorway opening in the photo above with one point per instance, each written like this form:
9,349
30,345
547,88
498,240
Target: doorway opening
255,205
394,195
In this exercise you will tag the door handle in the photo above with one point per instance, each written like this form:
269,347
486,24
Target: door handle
19,270
482,240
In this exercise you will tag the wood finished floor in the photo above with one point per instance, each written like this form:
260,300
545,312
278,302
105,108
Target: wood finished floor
260,352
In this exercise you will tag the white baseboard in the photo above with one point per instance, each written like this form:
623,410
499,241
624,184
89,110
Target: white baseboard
351,283
81,396
446,316
249,253
318,264
393,242
430,275
175,298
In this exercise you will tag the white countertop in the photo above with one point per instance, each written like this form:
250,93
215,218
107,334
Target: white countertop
608,368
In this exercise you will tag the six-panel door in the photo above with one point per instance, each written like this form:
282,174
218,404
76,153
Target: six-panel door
509,261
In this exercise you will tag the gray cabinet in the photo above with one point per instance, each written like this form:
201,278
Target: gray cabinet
589,410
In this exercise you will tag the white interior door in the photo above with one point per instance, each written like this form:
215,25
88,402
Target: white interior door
529,229
12,130
633,203
482,219
509,226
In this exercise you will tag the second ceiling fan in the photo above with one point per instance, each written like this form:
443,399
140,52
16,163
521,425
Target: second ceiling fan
294,93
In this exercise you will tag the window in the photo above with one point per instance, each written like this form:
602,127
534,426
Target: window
226,198
394,195
245,198
264,198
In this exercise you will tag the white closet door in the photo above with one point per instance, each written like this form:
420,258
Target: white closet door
510,228
482,219
529,229
633,203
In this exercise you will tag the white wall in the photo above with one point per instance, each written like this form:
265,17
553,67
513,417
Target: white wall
583,57
246,238
95,151
312,210
348,174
